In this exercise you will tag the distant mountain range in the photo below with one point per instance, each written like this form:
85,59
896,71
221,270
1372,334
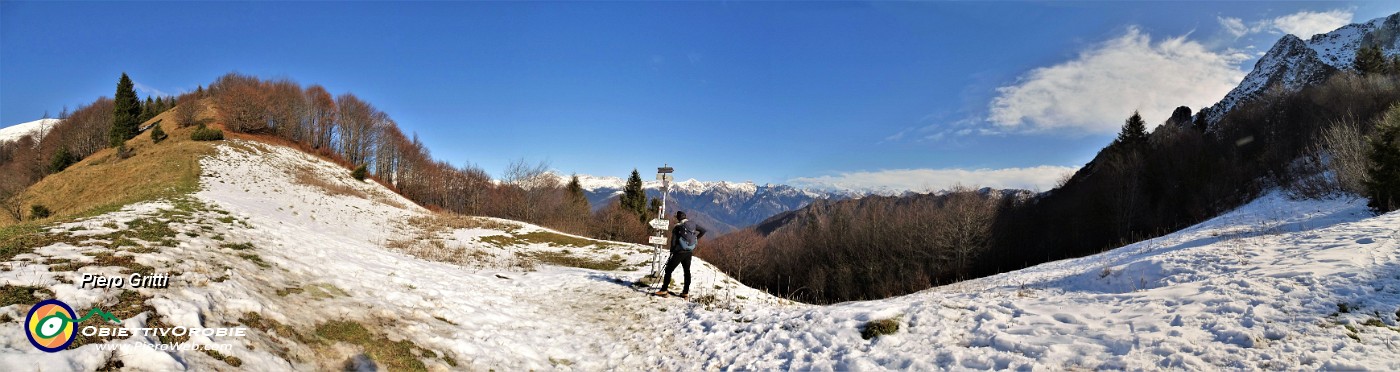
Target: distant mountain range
720,205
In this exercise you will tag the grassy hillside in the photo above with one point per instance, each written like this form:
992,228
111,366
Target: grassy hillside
104,181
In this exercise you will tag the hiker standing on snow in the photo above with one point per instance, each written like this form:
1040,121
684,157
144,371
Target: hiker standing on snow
685,237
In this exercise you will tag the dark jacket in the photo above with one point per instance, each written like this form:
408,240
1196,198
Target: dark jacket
687,231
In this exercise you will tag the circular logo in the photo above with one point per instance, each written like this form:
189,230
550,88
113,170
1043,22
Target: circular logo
50,325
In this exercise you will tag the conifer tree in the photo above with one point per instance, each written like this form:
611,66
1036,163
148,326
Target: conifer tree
126,112
654,206
575,189
1383,185
157,134
1134,131
61,160
576,202
148,109
1370,60
634,198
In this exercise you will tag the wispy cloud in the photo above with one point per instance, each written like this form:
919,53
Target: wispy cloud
1234,26
1096,91
1303,24
148,91
924,180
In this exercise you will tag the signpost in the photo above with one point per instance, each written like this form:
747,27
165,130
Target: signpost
660,224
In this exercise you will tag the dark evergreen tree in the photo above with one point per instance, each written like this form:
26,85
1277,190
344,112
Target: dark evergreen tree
126,112
148,109
575,190
1370,60
1383,187
1134,131
360,173
653,207
61,160
576,203
157,134
634,198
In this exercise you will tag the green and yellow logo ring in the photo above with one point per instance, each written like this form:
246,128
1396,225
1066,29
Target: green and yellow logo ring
50,325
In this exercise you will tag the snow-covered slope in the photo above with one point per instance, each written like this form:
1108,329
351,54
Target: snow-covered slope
37,128
261,238
1294,63
1276,285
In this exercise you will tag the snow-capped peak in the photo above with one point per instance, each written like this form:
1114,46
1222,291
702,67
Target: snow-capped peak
1338,48
1293,63
38,128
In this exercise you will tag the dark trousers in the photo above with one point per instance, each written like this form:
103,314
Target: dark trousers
678,257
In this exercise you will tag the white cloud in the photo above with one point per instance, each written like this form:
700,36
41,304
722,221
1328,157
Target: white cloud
148,91
1305,24
923,180
1234,26
1095,92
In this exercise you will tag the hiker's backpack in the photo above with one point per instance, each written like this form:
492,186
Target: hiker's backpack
683,231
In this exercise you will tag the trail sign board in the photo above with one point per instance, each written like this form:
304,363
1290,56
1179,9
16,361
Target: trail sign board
657,240
660,224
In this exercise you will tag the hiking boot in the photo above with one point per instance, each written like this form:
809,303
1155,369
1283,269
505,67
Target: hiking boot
685,296
662,293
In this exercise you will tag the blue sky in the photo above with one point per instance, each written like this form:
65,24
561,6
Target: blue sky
901,95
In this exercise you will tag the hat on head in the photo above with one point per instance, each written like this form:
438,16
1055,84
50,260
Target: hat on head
680,215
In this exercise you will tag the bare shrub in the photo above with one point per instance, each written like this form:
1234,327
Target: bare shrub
617,224
1342,148
187,110
1307,178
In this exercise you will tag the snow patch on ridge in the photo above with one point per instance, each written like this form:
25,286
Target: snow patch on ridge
37,128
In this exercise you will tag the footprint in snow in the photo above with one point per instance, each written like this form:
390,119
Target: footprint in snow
1066,318
1365,241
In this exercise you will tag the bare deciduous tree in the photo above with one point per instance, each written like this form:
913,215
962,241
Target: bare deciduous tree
1345,147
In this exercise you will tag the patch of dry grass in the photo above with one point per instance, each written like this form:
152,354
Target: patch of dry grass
543,237
428,238
446,222
23,295
309,177
571,260
402,355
